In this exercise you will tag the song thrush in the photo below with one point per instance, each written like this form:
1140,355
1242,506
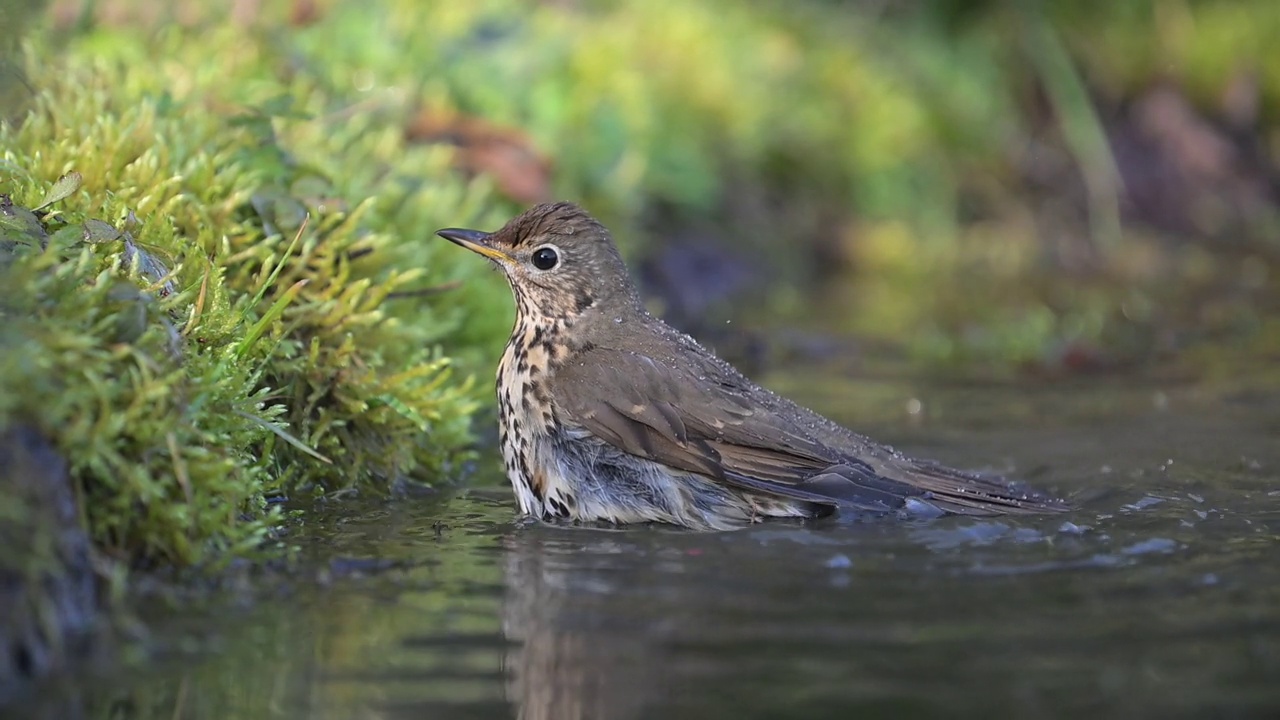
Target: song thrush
609,414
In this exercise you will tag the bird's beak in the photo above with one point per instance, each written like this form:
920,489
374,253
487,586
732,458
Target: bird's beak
476,241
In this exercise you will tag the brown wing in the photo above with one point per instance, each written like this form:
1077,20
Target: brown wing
714,422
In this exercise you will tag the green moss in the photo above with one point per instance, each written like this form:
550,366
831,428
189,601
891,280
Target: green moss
163,462
215,319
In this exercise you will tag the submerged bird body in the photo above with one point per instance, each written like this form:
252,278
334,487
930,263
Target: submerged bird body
608,414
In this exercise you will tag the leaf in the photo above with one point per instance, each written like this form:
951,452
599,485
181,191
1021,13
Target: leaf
274,312
404,411
284,436
68,235
97,231
19,226
275,272
66,186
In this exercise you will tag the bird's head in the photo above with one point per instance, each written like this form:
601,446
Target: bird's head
559,260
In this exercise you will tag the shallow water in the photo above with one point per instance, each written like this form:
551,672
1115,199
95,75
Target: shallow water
1159,597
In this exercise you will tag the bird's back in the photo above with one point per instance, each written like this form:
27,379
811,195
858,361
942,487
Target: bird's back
671,399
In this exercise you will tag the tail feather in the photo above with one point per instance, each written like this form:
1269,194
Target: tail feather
968,493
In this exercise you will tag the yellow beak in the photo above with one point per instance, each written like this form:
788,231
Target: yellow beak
476,241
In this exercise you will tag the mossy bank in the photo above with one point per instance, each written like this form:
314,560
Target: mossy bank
214,293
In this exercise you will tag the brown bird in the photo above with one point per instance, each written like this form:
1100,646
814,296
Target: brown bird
609,414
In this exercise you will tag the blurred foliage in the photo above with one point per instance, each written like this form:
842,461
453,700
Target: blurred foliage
985,182
799,135
1100,189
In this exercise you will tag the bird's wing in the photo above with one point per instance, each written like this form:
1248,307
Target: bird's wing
708,420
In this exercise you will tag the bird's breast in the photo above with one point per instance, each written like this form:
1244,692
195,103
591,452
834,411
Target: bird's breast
525,372
527,425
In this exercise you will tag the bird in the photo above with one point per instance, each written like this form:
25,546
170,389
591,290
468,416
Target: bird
608,415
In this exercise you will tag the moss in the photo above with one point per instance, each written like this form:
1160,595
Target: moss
215,321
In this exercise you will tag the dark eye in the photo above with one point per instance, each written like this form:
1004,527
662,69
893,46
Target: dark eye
545,258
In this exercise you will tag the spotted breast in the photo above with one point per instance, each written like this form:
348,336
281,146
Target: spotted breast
527,428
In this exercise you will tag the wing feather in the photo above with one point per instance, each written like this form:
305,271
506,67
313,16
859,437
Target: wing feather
714,425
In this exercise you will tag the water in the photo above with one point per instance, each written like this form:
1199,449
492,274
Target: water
1160,597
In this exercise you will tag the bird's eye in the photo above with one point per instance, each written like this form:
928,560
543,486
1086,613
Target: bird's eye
545,258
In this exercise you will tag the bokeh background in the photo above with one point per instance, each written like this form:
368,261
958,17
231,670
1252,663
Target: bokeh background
1000,185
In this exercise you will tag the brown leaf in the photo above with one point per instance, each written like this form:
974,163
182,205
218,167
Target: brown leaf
506,154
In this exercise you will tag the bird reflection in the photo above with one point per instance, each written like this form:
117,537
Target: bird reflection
577,651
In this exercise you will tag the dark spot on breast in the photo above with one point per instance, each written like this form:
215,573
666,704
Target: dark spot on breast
557,506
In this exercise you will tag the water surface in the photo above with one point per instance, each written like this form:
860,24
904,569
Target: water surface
1159,597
